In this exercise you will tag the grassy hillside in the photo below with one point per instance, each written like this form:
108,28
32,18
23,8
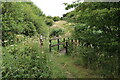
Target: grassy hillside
65,26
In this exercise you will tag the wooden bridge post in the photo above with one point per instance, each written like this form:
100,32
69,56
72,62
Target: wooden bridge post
63,41
72,40
76,42
66,47
58,45
50,45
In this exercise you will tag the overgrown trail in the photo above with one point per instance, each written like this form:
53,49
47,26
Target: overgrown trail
64,65
70,70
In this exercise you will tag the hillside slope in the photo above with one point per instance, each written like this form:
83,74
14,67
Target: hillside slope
65,26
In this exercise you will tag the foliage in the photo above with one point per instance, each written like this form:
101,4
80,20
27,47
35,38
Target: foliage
49,22
66,27
25,60
57,32
49,17
56,18
97,27
21,18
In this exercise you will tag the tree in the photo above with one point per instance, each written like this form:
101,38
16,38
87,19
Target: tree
98,25
22,18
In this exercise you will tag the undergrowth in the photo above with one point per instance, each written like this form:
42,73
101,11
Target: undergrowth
25,60
98,61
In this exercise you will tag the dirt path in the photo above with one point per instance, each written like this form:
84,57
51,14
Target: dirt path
66,64
63,51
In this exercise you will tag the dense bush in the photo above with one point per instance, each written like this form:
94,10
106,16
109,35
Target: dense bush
56,32
49,17
25,60
49,22
21,18
56,18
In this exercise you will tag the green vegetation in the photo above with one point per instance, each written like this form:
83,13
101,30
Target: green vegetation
95,25
56,18
98,29
22,23
69,69
25,60
57,32
61,29
49,22
21,18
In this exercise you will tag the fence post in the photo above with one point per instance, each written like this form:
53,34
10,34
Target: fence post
58,45
66,47
63,41
41,41
78,42
72,40
50,45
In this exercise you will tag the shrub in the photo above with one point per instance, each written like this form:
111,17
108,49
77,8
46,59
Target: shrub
99,61
25,61
56,32
56,18
49,22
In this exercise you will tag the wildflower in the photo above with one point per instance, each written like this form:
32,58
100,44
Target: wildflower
6,41
11,45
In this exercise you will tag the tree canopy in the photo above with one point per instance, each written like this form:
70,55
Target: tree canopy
98,24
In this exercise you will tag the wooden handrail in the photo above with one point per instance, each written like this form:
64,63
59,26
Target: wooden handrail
58,38
64,43
58,44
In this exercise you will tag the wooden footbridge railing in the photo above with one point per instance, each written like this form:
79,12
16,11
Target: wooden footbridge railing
60,41
63,42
